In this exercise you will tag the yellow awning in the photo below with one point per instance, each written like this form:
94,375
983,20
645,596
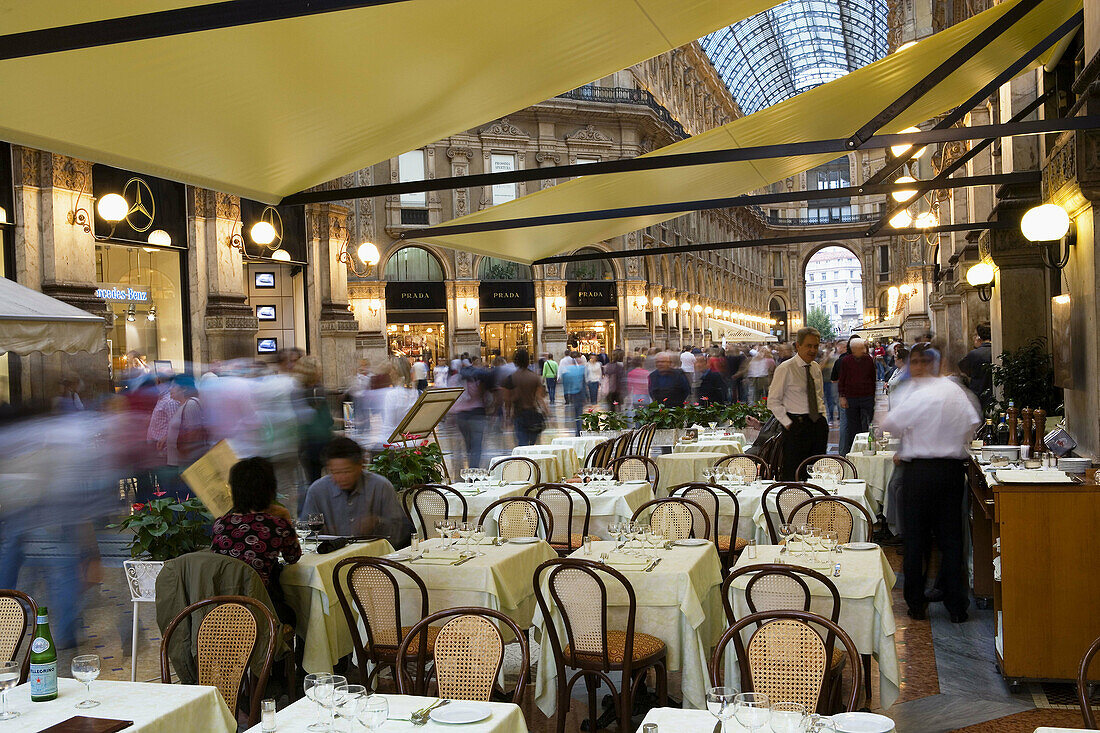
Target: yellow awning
834,110
270,109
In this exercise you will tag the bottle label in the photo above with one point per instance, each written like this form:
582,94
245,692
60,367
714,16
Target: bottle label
40,645
43,679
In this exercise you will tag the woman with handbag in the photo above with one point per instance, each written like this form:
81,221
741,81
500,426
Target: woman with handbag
526,398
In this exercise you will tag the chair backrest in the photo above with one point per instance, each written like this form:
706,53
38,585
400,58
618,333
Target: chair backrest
468,653
675,517
517,468
521,516
838,465
644,440
596,454
579,592
785,657
1083,687
635,468
18,616
789,502
709,496
622,445
562,500
372,584
751,468
426,503
228,636
834,513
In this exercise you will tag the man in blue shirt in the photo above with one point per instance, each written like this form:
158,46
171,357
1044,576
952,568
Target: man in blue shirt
571,376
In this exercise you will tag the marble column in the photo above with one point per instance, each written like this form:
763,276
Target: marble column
1020,308
333,326
368,302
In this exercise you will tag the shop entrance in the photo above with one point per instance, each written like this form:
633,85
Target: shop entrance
502,339
591,337
413,340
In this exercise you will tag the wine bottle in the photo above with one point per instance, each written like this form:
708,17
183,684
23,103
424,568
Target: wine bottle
1002,431
43,663
986,433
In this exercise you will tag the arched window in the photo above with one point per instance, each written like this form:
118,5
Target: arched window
412,264
494,268
589,269
884,305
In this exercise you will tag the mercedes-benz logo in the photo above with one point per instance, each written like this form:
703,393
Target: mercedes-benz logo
143,210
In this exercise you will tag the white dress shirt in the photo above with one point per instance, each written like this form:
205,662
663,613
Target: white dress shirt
787,394
933,418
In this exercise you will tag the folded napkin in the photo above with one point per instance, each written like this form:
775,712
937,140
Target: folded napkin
628,562
439,558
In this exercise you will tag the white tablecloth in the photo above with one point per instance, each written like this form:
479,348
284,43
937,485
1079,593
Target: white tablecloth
729,447
478,497
549,472
866,612
153,707
568,462
876,470
675,720
679,468
506,717
307,585
581,445
611,502
856,492
678,602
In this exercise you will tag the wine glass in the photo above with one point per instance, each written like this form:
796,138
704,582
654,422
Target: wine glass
301,528
375,711
640,532
9,678
812,538
613,529
316,524
752,710
351,704
720,703
466,531
708,474
317,687
788,717
820,724
479,537
464,474
803,532
786,531
829,540
86,669
337,698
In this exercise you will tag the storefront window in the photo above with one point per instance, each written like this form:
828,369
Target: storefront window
502,339
591,337
412,263
413,340
143,288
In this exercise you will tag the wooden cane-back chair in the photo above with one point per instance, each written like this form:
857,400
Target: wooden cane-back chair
675,518
1084,689
785,501
751,468
622,446
635,468
467,656
600,455
709,496
18,616
563,500
837,465
786,658
228,636
580,596
426,503
644,440
517,468
373,586
521,516
834,513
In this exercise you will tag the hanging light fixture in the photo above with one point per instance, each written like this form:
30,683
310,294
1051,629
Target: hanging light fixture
131,313
904,194
152,315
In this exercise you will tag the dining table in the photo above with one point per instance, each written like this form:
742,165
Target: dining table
727,446
582,445
680,468
854,489
678,601
503,717
876,470
309,591
611,501
153,707
689,721
866,607
567,460
478,495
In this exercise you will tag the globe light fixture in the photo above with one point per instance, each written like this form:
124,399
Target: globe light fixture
926,220
904,194
698,308
673,304
368,254
281,255
980,276
112,208
160,238
262,233
685,306
1046,223
3,215
902,219
900,150
657,301
708,310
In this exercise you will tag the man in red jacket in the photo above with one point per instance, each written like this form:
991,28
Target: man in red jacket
856,387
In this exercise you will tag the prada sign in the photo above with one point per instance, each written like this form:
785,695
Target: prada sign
506,295
598,294
419,296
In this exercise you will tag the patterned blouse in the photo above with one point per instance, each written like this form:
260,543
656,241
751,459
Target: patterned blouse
256,538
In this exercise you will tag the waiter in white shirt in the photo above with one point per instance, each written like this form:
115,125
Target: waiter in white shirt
797,399
934,418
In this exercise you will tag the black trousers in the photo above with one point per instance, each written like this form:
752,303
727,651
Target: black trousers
804,438
932,506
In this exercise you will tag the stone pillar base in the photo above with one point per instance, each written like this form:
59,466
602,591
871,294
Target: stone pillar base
371,345
338,335
467,340
230,325
635,336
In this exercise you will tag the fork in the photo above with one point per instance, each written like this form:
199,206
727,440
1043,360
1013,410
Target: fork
420,717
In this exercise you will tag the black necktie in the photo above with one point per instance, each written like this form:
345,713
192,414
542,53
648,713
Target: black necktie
811,394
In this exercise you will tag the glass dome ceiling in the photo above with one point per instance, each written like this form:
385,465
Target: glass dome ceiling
796,46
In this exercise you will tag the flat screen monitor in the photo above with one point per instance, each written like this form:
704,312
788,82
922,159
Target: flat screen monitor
265,279
265,313
267,345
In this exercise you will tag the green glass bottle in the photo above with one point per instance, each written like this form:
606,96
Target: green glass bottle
43,672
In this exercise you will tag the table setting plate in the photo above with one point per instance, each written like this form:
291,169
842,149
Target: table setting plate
691,542
459,713
523,540
859,546
862,723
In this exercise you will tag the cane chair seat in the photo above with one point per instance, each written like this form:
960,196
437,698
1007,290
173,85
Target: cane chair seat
226,638
636,468
521,517
740,543
575,542
517,468
391,649
837,466
751,468
647,649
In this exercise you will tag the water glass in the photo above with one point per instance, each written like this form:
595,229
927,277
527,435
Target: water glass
788,717
9,678
720,703
829,540
86,669
336,699
752,710
318,687
479,536
350,704
375,711
820,724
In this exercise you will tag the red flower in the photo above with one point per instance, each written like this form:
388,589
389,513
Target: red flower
137,507
159,493
417,452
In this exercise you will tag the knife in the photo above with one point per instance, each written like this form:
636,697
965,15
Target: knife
653,565
462,560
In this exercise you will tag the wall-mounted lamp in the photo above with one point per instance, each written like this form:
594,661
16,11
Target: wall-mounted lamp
373,306
557,304
469,304
698,308
640,302
657,301
267,233
685,306
981,276
112,208
673,304
366,253
1047,226
708,310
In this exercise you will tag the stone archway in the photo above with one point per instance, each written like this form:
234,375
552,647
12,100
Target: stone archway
834,287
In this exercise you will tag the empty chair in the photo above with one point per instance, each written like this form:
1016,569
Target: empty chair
751,468
709,496
233,631
521,516
516,468
425,504
838,466
833,513
18,616
467,655
786,658
578,589
563,501
635,468
372,584
622,446
1084,689
643,441
788,495
600,455
675,518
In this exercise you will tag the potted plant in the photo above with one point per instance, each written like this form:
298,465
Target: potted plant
166,528
668,421
408,465
603,423
1026,376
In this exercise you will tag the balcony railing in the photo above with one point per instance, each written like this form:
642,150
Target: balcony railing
821,218
625,95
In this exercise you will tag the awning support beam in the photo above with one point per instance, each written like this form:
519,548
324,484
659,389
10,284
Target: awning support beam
920,187
680,160
769,242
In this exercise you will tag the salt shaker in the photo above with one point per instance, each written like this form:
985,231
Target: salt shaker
649,728
267,716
